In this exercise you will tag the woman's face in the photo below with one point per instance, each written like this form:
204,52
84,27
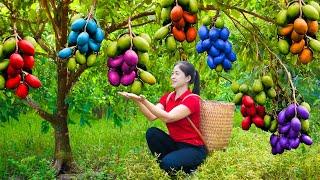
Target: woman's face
178,78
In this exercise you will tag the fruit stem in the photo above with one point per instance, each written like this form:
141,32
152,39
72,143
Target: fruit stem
15,35
130,32
220,75
90,14
177,3
300,6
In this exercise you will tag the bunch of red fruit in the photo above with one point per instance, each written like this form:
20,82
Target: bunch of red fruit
21,61
252,113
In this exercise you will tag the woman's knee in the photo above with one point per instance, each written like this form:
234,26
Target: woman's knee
152,133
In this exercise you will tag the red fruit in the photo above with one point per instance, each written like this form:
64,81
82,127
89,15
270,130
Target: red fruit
16,61
22,91
258,121
180,24
246,123
243,110
247,101
178,34
12,72
251,111
189,18
261,111
13,82
26,47
28,62
176,13
32,81
191,34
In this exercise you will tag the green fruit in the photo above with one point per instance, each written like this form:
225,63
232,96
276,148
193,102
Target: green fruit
235,87
80,58
72,64
274,126
2,82
261,98
282,18
166,3
171,43
165,14
112,49
267,81
147,77
140,44
4,64
1,52
219,23
283,46
243,88
237,98
124,42
267,121
306,105
146,37
31,40
9,46
315,5
257,86
161,33
75,17
206,20
219,68
144,59
91,59
271,93
310,12
314,44
305,125
293,10
183,2
193,5
136,87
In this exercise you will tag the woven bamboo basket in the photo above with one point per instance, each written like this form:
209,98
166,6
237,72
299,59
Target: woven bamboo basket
216,123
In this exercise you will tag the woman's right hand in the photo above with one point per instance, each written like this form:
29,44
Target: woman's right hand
131,96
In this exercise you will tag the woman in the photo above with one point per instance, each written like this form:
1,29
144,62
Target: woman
183,147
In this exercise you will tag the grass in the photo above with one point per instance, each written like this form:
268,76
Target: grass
108,152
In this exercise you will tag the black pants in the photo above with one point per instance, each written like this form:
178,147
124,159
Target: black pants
174,155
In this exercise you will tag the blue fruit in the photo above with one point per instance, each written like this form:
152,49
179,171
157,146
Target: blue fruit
84,48
203,32
232,56
214,34
219,59
83,39
219,44
72,38
227,47
92,27
211,63
99,36
213,51
206,44
94,46
224,34
226,64
199,47
78,24
65,53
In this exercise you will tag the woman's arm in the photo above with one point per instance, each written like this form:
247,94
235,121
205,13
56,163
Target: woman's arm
145,111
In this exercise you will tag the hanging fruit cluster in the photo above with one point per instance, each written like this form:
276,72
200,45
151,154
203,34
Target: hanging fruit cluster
179,18
215,43
292,129
128,61
16,64
84,42
298,28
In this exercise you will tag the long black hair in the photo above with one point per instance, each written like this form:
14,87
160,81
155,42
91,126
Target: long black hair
189,70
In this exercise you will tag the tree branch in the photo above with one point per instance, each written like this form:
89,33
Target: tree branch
54,24
75,77
137,25
45,115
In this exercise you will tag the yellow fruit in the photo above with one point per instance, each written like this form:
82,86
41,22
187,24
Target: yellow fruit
305,56
300,26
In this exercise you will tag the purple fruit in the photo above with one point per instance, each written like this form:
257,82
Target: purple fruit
115,62
279,149
296,124
127,69
293,134
294,143
284,128
303,112
306,139
114,77
273,140
274,150
130,57
290,111
128,79
283,142
282,117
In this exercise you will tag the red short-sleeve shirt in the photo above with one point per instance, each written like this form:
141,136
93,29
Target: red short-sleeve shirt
181,130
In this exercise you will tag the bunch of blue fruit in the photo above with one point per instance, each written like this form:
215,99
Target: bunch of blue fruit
293,128
215,42
84,41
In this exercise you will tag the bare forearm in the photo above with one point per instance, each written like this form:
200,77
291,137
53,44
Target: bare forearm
154,110
146,112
